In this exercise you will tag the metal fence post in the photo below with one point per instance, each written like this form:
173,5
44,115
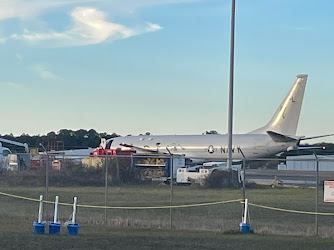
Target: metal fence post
171,192
244,179
316,192
106,189
47,173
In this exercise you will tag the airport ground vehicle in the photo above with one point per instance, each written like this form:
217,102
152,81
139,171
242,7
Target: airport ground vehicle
7,159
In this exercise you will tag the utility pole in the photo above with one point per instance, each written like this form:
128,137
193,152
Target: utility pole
230,106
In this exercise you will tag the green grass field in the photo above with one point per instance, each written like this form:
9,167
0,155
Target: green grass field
101,237
204,227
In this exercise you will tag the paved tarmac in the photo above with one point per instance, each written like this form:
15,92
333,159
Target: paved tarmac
287,177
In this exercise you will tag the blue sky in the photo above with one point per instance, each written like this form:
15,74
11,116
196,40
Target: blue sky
129,66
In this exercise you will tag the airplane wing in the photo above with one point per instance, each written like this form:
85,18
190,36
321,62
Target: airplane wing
315,137
140,148
282,138
303,148
307,147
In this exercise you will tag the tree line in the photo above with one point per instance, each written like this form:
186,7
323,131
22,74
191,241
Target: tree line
63,139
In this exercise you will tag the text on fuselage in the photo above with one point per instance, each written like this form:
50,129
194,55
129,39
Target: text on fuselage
224,149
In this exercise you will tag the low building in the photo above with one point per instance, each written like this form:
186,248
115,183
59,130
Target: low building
308,163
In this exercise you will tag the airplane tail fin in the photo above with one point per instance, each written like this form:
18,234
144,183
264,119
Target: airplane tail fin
285,120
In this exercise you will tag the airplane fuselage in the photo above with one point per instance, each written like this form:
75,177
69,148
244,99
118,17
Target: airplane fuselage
275,137
208,147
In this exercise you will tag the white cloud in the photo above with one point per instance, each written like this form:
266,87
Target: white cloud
19,57
11,85
21,8
31,8
89,24
43,72
32,37
153,27
89,27
130,6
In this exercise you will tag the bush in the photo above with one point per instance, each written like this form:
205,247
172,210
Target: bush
78,175
23,178
217,179
91,173
223,179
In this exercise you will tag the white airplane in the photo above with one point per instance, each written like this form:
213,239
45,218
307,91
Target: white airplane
4,152
277,136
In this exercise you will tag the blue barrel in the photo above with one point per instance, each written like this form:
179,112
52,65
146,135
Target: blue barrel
245,228
54,228
39,228
72,229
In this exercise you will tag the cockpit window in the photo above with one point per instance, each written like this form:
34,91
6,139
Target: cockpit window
5,152
109,143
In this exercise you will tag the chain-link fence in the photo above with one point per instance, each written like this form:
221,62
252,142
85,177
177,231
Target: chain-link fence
137,192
